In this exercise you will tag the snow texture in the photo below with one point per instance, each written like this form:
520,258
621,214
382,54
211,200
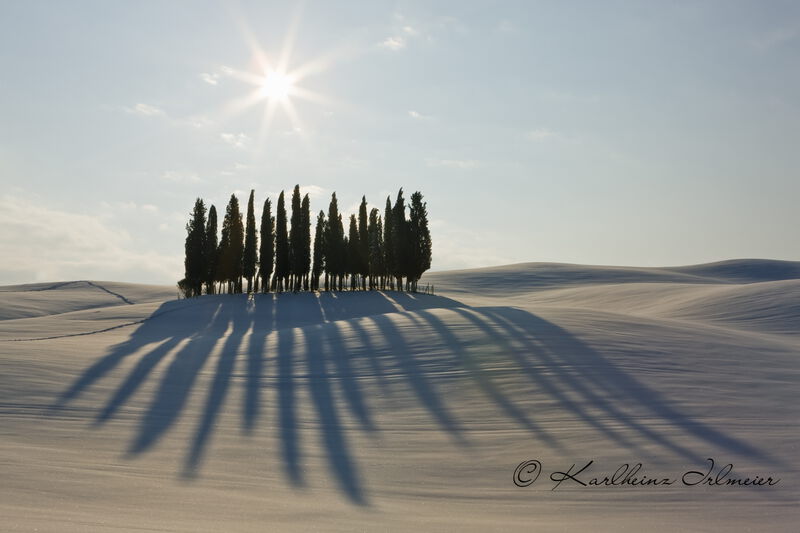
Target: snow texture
122,408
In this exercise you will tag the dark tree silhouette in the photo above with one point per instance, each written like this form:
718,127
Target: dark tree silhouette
195,261
211,250
388,245
266,256
400,240
353,253
334,245
232,247
375,249
305,240
250,245
319,253
295,241
363,243
281,247
419,254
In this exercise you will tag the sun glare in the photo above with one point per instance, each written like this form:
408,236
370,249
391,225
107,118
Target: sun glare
277,85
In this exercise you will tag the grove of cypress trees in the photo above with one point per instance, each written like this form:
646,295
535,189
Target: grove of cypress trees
376,252
281,246
211,250
319,254
266,256
195,261
250,245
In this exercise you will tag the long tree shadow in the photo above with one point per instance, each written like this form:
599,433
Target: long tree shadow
330,347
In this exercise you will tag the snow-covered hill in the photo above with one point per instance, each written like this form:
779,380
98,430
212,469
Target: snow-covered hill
123,408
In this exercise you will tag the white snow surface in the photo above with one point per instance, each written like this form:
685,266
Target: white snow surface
122,408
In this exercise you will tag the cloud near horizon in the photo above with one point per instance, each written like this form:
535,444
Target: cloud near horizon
55,245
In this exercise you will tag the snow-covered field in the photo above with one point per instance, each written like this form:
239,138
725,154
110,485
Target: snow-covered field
122,408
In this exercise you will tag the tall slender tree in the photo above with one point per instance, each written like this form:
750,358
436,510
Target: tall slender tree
400,240
195,262
388,244
375,248
319,252
419,238
353,259
266,255
281,246
249,257
295,240
232,246
305,240
211,250
223,252
334,237
363,243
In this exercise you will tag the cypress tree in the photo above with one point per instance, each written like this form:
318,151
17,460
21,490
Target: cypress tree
420,239
232,246
250,245
223,251
375,248
281,246
400,240
363,243
305,240
353,249
388,245
211,250
195,247
319,254
333,241
295,240
266,254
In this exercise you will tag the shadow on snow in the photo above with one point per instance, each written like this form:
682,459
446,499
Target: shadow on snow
296,341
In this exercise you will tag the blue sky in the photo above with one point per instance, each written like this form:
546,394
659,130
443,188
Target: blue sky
633,133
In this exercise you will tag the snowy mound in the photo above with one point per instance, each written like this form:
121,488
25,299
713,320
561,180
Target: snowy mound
122,405
525,277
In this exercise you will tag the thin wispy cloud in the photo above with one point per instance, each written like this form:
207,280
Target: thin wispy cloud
393,43
540,134
402,32
199,122
416,115
145,110
239,141
210,78
52,244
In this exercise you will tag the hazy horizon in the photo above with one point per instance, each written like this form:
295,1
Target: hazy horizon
621,134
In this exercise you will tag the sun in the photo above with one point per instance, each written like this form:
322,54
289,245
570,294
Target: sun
277,85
